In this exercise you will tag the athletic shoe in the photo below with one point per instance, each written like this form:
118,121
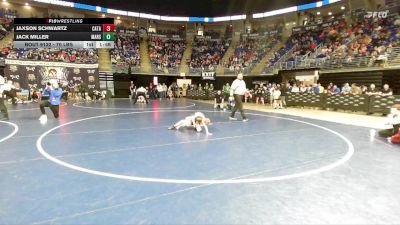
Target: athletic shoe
43,117
232,118
245,120
171,127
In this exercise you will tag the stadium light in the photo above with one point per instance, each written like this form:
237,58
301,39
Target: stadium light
103,15
118,18
133,14
174,18
237,17
117,12
222,18
318,13
55,2
258,15
149,16
280,11
330,13
342,8
26,4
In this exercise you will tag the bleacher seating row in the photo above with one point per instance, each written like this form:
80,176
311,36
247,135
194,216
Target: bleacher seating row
201,94
357,103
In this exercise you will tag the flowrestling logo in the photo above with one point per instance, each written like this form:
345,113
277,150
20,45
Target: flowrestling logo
380,14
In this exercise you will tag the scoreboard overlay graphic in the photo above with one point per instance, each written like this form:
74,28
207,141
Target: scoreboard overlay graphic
64,33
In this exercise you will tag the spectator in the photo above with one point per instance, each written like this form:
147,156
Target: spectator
160,90
355,90
295,89
321,88
260,93
335,90
364,89
372,90
219,101
346,89
277,98
393,121
227,90
284,92
303,88
314,89
386,91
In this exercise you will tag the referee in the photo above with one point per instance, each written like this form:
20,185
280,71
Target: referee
3,108
238,88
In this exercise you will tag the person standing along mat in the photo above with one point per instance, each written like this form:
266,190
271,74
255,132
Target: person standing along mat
238,88
54,92
132,90
3,108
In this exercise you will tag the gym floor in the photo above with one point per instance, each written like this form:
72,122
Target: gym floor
113,162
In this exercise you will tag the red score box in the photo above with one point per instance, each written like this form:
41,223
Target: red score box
108,27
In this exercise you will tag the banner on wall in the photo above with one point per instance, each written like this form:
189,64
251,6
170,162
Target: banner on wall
208,75
37,74
169,36
312,27
181,82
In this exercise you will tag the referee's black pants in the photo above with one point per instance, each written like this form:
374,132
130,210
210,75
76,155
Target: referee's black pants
54,108
11,94
238,106
3,108
141,94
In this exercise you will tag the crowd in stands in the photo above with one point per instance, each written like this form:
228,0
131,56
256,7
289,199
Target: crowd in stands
54,55
370,38
5,27
8,13
315,88
345,89
126,51
249,52
171,32
207,53
166,53
302,42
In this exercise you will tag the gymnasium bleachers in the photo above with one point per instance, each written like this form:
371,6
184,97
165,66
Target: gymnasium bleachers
126,52
207,52
165,53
